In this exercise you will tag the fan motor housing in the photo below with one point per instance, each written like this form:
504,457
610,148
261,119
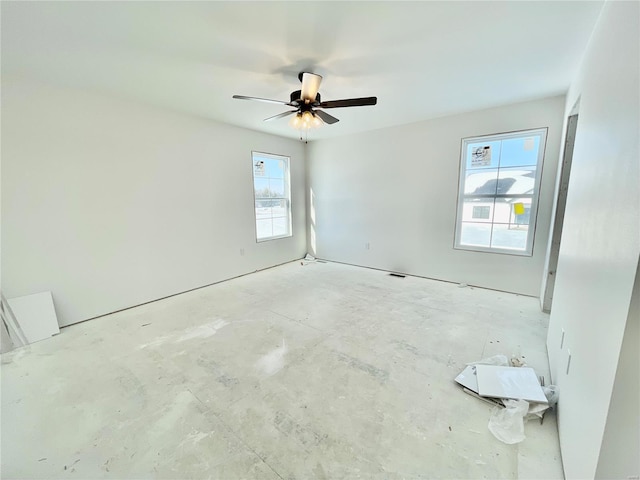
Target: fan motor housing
296,97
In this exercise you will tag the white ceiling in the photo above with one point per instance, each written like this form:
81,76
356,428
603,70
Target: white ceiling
421,59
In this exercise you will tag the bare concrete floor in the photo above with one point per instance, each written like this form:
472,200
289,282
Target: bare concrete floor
315,371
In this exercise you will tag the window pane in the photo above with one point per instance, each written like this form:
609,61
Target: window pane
280,226
513,237
483,155
475,234
263,209
275,168
279,208
477,210
522,211
481,182
264,228
261,187
503,211
518,180
520,151
276,188
259,167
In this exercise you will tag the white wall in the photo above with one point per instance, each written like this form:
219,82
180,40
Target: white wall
601,238
620,452
396,189
109,204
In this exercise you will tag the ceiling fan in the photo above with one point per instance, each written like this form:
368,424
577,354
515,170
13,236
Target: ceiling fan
307,104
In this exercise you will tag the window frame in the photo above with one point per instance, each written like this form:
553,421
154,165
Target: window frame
533,211
287,194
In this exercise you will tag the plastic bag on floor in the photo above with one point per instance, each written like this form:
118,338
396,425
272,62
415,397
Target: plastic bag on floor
498,360
552,394
507,424
536,410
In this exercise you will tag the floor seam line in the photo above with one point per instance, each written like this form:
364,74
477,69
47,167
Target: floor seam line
239,438
296,321
230,430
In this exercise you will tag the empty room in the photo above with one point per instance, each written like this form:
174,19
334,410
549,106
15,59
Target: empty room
320,240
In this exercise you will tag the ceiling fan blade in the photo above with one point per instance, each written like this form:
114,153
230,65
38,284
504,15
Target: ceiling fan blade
310,86
280,115
349,102
279,102
326,118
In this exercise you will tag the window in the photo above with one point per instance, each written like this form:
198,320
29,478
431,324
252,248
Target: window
272,196
498,192
481,212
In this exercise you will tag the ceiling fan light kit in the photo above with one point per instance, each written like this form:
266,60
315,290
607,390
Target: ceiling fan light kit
305,121
308,104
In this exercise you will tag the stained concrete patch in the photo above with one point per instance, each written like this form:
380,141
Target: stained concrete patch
367,368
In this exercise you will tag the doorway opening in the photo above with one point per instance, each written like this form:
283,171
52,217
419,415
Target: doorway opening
563,189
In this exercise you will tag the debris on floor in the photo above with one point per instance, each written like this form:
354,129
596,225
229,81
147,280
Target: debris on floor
308,259
467,378
491,401
518,361
27,319
515,392
499,360
507,424
509,382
